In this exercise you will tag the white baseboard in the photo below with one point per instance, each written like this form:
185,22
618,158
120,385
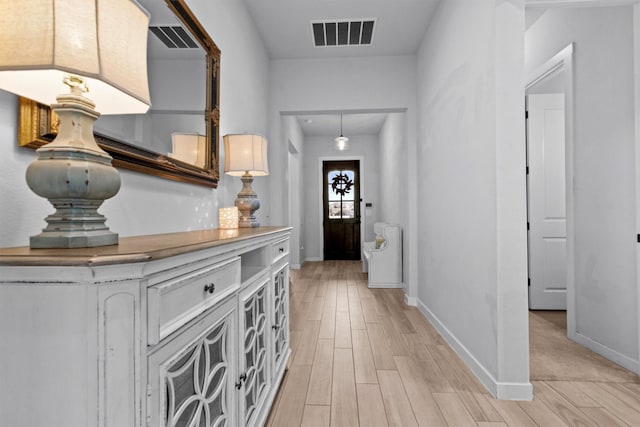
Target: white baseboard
606,352
505,391
295,266
412,301
313,259
385,285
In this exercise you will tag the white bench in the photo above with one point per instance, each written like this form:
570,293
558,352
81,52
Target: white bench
382,258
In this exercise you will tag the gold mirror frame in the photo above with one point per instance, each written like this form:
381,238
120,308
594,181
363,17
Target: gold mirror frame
38,124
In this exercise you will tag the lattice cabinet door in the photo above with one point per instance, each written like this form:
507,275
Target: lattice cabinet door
254,378
192,377
280,320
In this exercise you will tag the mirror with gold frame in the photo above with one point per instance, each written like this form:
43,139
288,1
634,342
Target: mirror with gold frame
38,124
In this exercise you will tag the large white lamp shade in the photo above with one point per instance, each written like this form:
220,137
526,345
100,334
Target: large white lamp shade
102,41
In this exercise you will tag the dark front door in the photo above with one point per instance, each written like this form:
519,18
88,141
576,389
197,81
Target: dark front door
341,216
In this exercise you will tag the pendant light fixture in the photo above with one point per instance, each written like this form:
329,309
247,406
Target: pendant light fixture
341,141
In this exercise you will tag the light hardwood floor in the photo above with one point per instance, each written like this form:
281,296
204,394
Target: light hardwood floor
362,357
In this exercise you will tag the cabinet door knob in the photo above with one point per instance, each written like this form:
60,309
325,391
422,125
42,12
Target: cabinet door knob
210,288
275,327
242,378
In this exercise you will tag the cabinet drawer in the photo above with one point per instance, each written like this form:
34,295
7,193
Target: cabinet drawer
279,249
174,302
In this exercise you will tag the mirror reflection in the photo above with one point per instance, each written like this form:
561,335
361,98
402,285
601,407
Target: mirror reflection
177,83
178,138
174,125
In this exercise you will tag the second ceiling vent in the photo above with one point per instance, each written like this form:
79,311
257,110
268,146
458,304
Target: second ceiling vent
174,37
352,32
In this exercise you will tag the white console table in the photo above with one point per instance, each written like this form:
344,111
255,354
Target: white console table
159,330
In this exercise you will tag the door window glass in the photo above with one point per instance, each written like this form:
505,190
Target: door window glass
341,194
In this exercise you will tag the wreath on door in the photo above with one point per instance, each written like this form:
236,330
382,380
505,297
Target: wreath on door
341,184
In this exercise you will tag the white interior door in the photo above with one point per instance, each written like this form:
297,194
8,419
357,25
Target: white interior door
546,202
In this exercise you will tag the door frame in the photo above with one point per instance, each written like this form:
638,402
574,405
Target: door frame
321,192
563,62
571,327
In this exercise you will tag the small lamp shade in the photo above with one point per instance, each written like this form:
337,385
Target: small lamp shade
189,147
228,218
245,153
102,41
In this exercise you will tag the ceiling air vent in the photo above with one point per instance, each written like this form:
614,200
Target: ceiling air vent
174,37
343,32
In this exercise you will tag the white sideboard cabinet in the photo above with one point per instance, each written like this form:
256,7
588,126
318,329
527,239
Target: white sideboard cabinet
181,329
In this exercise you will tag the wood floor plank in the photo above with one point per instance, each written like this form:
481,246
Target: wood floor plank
309,294
364,366
396,402
319,392
369,311
561,406
479,407
512,413
396,342
623,411
437,385
294,342
291,404
343,330
370,406
572,391
316,416
424,364
316,309
540,413
448,363
621,393
328,322
352,290
342,303
453,410
355,314
423,328
299,313
603,417
424,406
380,303
344,405
307,345
380,347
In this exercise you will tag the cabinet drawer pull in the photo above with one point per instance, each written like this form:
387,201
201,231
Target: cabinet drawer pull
281,250
210,288
275,327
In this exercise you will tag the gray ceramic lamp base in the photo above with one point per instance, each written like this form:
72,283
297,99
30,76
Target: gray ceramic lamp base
76,176
75,224
247,203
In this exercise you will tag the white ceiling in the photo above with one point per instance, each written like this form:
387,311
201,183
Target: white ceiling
285,25
352,124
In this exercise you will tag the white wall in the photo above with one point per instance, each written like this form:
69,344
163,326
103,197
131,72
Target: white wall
148,204
471,188
296,186
395,185
604,162
347,85
393,171
361,147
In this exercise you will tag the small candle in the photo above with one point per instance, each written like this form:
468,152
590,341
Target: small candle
228,218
